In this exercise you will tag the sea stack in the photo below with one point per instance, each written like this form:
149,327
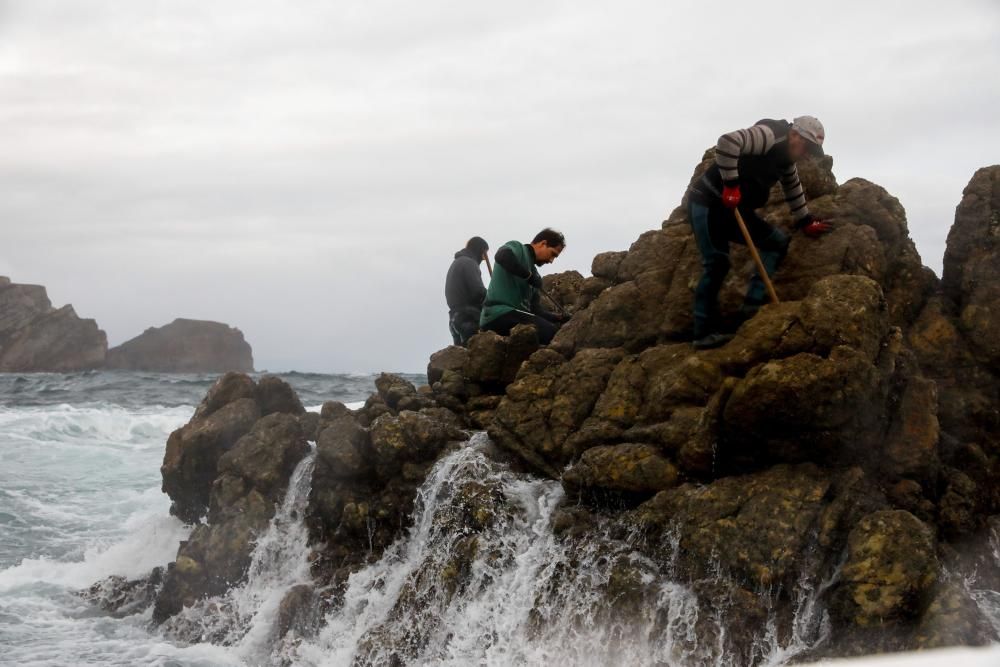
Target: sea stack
184,346
34,336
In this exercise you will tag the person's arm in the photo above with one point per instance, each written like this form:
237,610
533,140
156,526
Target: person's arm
756,140
795,196
506,258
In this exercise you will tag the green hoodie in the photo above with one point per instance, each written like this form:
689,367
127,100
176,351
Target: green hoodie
508,292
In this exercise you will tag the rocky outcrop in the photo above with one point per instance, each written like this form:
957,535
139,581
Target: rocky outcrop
233,460
858,416
185,346
34,336
844,443
228,412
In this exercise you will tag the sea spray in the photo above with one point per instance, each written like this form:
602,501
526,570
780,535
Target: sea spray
483,578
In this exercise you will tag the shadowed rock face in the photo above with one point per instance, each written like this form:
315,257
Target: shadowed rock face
185,346
846,437
34,336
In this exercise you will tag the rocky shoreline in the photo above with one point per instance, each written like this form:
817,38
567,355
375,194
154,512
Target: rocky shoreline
845,441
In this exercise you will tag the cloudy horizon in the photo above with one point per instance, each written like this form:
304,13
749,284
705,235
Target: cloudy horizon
306,171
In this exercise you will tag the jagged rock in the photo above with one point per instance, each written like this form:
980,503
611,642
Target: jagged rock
252,479
971,276
261,460
495,360
564,289
230,387
185,346
34,336
452,358
758,526
190,464
408,438
890,572
228,412
344,449
630,470
606,264
276,395
123,597
541,411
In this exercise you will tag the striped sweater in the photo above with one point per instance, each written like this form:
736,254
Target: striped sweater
754,158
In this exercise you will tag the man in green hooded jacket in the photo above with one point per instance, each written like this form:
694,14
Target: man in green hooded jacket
514,294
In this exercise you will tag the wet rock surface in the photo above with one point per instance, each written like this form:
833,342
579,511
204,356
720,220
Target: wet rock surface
841,451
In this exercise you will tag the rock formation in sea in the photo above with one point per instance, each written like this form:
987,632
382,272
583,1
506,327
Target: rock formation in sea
827,482
184,346
34,336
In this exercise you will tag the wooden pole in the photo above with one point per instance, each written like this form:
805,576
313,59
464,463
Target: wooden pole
761,271
489,267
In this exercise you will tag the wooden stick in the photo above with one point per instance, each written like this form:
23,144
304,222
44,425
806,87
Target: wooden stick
489,267
761,271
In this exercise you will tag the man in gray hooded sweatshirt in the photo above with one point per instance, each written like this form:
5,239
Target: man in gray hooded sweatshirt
464,290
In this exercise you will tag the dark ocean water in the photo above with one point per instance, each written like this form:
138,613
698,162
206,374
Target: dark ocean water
131,389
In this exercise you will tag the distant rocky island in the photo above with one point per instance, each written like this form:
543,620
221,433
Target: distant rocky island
36,337
185,346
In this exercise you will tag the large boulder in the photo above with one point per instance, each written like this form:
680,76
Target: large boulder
890,572
185,346
253,476
758,526
229,410
627,470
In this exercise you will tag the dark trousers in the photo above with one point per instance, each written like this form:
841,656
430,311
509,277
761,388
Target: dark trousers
503,324
463,324
715,228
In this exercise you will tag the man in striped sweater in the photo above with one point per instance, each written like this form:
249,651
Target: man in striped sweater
747,165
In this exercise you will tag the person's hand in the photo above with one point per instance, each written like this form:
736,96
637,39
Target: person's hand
535,280
731,196
816,228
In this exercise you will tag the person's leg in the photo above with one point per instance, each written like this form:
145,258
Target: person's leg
466,327
456,336
546,330
772,246
503,325
715,266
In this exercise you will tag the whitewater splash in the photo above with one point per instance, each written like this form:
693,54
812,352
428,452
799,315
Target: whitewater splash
513,592
244,618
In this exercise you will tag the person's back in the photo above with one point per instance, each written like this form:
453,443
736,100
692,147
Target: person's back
464,290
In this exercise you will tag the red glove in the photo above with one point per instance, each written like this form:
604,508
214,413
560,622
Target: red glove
816,228
731,196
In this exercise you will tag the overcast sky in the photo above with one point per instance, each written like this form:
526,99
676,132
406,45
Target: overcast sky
305,170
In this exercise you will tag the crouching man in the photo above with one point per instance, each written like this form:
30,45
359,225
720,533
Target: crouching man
514,295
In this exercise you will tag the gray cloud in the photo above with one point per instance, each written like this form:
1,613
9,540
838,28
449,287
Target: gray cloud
305,170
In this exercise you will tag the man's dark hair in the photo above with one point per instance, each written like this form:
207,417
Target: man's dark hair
551,237
477,245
